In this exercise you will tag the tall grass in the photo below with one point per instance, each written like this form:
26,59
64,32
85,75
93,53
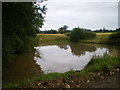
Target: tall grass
105,62
99,39
52,39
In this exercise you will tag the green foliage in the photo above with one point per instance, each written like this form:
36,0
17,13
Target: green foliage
63,29
7,53
105,62
99,39
79,34
52,39
114,38
49,32
20,23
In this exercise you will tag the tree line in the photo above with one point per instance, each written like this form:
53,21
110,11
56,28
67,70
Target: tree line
63,30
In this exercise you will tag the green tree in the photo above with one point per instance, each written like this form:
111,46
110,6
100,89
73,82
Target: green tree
63,29
20,23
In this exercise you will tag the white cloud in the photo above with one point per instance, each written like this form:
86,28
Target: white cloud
93,15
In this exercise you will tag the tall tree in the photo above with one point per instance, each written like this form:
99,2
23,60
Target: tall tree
20,23
63,29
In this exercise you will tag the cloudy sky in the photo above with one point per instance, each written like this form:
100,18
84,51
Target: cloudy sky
92,14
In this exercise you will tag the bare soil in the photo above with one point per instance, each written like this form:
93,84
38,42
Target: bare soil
110,82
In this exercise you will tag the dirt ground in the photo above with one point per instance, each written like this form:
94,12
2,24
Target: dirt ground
110,82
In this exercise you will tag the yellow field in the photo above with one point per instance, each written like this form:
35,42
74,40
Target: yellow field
103,33
64,34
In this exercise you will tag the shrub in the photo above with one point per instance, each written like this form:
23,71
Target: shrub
79,34
114,38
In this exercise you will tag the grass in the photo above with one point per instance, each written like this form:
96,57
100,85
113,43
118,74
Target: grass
50,39
99,39
105,63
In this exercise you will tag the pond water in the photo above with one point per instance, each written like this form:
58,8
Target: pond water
54,58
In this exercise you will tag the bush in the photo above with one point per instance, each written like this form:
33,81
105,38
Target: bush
114,38
7,53
79,34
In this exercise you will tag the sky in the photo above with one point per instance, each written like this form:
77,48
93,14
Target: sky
89,14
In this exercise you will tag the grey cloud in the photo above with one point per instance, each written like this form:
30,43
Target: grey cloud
92,15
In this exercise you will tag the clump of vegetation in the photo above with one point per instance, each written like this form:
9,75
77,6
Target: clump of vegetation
20,24
106,62
99,39
52,39
114,38
80,34
63,29
49,32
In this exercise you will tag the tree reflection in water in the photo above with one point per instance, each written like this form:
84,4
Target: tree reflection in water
61,58
21,68
79,49
55,58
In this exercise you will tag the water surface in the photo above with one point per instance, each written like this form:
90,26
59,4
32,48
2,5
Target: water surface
54,58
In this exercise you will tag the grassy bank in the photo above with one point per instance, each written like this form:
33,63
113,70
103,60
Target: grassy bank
48,39
104,38
99,39
97,68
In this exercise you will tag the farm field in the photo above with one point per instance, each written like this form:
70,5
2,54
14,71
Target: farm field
103,33
52,38
64,34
